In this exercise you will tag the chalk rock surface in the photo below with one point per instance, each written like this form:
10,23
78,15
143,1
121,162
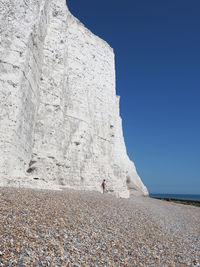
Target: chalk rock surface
59,114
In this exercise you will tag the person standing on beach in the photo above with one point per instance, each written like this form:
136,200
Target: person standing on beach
104,186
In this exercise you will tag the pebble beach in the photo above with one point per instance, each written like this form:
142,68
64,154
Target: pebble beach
78,228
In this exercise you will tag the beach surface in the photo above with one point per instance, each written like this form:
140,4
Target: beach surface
77,228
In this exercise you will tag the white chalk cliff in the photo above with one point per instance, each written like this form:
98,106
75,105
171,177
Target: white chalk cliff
59,114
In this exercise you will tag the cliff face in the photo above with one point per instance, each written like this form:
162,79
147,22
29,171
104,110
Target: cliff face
59,115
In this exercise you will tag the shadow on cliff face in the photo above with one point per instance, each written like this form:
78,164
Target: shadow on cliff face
31,168
133,189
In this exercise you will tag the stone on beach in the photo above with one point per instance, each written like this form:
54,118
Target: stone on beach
77,228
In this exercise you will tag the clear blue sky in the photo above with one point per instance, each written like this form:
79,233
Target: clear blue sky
157,52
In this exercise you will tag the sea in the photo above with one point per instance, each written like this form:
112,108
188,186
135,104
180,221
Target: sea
177,196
